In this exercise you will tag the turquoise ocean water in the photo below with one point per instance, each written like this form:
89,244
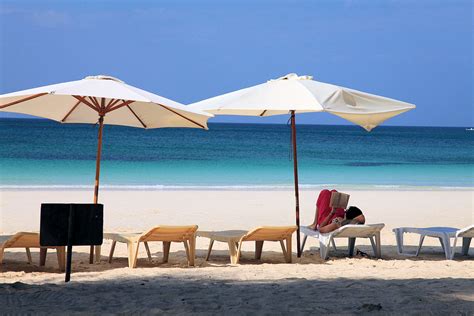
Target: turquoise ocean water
46,154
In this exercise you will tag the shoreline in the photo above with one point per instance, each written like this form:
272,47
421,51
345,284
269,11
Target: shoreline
245,188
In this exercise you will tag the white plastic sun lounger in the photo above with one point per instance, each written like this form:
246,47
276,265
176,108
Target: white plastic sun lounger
351,232
444,234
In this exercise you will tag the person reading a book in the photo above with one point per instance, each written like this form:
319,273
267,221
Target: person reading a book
323,209
353,215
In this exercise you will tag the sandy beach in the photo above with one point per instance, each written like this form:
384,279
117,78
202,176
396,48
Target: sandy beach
395,284
212,114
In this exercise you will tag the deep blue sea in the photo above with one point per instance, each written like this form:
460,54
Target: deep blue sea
41,153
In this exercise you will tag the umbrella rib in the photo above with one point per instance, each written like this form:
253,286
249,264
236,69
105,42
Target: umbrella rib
70,111
186,118
34,96
120,105
133,112
94,101
111,102
83,100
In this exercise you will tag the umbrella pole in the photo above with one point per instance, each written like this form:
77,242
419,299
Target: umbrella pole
297,194
97,175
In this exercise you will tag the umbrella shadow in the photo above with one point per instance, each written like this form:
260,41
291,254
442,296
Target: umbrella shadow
176,294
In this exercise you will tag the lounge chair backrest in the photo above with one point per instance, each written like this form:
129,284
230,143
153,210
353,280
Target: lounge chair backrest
169,233
270,233
21,240
339,200
467,232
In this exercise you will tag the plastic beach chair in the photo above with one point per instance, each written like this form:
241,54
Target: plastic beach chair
29,240
444,234
235,238
166,234
371,231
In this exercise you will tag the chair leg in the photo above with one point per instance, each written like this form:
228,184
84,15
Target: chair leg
192,250
445,243
112,249
283,249
352,241
303,243
28,255
378,243
211,243
148,252
239,252
166,250
441,241
422,238
234,255
61,254
186,247
323,250
43,253
98,250
453,250
466,242
333,242
258,249
132,254
399,240
289,250
374,246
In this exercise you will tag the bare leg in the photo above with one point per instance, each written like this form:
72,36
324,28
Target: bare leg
315,221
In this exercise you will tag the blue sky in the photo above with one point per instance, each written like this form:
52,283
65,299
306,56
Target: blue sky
416,51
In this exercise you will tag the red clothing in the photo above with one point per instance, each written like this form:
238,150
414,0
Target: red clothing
324,209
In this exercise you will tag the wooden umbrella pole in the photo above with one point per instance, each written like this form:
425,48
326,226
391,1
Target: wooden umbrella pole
97,162
297,194
97,175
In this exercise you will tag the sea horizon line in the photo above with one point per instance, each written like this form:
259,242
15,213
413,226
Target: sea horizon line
250,123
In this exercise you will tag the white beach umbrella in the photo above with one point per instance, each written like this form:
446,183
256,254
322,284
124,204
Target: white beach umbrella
102,100
299,94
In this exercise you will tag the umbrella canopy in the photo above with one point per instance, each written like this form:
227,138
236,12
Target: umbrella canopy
302,94
84,101
299,94
102,100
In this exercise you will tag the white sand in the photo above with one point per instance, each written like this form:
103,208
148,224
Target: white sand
401,285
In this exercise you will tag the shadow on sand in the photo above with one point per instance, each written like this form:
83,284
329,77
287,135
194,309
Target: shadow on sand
184,295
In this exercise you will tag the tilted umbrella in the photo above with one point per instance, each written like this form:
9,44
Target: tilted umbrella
299,94
102,100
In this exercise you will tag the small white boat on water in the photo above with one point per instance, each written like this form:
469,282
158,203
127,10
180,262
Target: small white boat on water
470,129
